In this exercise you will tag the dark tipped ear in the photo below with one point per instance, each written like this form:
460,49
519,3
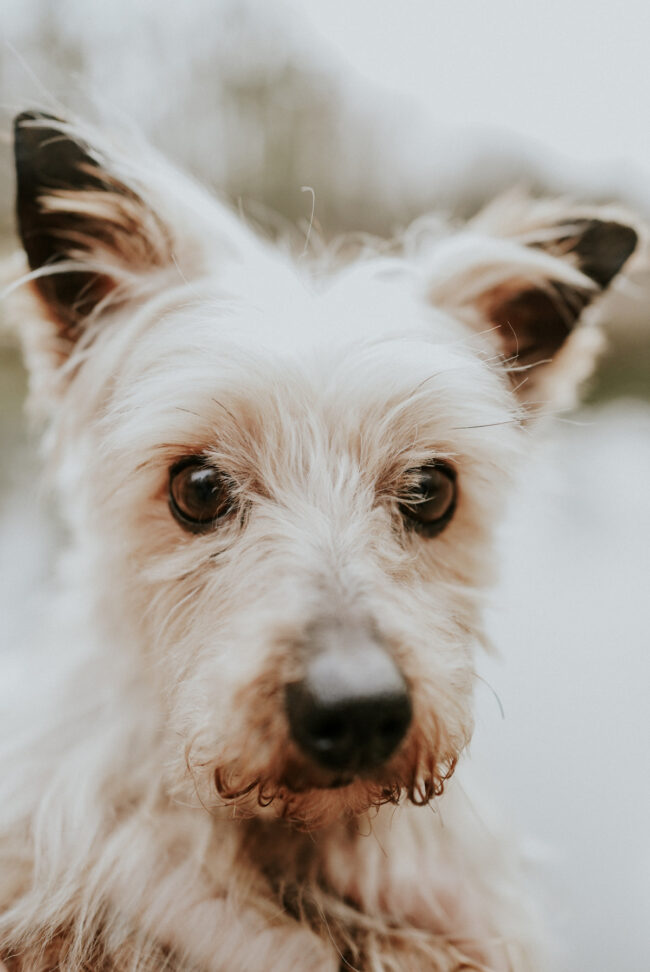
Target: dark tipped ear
72,210
534,321
600,248
530,278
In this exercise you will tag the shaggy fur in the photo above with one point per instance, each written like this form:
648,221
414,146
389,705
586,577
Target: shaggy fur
155,812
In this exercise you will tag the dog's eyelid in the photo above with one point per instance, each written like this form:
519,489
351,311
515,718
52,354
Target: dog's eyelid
189,459
413,474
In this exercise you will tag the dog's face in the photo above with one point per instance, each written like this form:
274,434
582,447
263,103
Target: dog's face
286,488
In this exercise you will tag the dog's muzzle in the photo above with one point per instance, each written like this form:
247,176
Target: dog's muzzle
352,708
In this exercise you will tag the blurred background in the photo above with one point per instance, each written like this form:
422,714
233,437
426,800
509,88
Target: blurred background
387,111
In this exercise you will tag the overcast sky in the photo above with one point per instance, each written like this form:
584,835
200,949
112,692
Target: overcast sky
571,73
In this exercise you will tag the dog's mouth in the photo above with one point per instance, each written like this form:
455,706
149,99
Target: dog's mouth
305,794
339,782
300,779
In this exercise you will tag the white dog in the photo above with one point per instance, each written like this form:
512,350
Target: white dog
281,486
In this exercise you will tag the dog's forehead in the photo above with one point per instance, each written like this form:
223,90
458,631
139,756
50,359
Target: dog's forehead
362,356
366,336
277,313
368,303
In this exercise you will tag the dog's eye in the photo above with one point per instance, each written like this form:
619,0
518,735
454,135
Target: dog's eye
430,501
198,495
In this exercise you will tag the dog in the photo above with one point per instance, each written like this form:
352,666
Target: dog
281,481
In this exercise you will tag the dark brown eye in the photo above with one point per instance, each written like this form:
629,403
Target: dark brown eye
198,495
430,501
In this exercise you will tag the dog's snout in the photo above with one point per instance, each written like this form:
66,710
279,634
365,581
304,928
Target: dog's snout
351,710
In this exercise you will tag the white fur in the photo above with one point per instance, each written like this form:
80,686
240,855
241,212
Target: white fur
317,394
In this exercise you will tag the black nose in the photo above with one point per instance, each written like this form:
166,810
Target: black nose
351,710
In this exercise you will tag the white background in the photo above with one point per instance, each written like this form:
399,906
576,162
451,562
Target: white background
572,73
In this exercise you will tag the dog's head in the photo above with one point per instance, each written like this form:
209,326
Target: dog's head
285,484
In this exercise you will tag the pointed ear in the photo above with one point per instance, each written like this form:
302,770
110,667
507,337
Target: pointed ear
88,235
528,284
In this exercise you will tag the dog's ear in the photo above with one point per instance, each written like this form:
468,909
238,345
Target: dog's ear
88,235
525,278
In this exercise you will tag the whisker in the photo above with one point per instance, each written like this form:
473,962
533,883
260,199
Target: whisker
494,693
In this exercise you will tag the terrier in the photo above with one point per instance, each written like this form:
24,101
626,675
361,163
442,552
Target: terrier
281,483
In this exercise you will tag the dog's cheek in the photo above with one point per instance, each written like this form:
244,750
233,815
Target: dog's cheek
226,713
433,626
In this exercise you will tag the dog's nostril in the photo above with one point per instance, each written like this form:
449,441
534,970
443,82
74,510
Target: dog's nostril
327,730
349,716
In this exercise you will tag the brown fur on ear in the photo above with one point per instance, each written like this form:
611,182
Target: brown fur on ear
73,212
522,274
534,321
